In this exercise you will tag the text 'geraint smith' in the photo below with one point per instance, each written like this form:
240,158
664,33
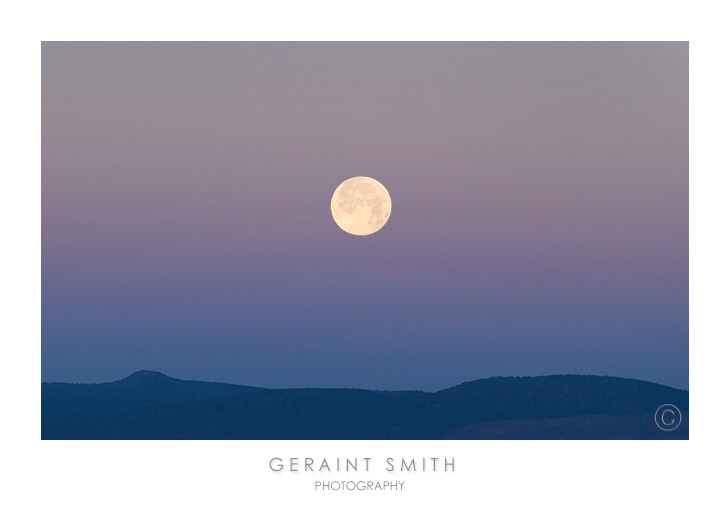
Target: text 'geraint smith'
361,464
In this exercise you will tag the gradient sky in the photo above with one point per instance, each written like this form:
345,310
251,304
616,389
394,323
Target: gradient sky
539,212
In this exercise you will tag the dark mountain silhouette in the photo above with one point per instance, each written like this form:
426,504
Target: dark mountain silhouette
150,405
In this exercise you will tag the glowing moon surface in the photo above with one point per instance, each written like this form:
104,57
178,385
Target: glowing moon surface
361,205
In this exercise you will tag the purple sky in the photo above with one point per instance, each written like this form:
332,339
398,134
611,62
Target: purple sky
539,212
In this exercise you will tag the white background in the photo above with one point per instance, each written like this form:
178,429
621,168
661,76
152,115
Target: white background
108,472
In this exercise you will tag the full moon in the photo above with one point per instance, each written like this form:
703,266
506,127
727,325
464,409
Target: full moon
361,205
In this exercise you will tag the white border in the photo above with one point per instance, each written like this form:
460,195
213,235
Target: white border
236,472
